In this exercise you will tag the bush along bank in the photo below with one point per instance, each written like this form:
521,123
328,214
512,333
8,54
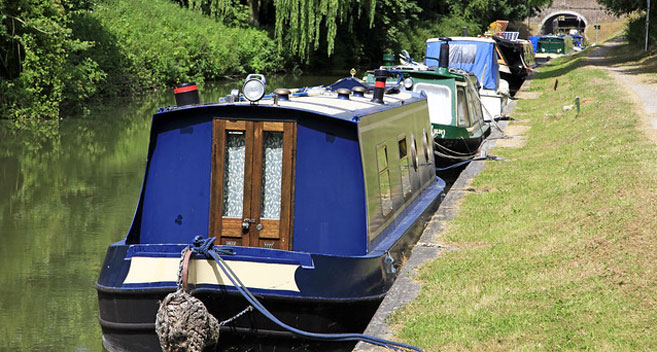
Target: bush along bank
69,55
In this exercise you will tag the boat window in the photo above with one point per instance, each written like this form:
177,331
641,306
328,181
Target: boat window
472,108
403,166
461,108
414,157
476,104
462,53
272,170
384,179
234,174
439,101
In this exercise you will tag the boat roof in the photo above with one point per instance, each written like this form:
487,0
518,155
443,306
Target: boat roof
324,103
437,72
472,39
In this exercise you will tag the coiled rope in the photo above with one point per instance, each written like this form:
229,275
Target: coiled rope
206,248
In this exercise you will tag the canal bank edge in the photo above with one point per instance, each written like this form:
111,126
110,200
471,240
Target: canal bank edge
405,288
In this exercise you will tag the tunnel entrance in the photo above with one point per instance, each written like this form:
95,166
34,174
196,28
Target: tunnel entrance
563,22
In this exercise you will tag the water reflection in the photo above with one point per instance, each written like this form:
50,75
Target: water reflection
67,189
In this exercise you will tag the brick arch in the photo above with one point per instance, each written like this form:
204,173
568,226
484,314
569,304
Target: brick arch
554,14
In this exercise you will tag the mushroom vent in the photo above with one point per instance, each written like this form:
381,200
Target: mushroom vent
343,93
282,93
359,91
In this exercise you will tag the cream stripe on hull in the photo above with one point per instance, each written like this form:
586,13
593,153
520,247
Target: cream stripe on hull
269,276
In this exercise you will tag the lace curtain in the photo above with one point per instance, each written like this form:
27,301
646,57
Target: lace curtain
272,173
234,174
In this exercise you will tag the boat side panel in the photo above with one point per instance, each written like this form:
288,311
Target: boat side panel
388,128
175,201
329,215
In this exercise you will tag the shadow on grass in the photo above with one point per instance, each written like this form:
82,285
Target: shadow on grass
566,63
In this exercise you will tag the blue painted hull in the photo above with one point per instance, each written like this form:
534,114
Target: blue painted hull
336,294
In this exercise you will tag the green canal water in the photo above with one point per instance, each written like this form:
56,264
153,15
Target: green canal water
68,189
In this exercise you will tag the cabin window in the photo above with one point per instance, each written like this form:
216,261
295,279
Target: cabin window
251,192
427,146
472,113
476,103
404,167
461,108
462,53
233,199
272,171
384,179
439,100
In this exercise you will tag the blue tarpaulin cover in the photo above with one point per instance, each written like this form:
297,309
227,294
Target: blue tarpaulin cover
476,56
534,39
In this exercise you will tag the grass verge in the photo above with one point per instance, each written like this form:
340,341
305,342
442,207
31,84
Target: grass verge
559,253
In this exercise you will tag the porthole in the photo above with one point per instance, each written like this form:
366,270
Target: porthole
414,158
427,148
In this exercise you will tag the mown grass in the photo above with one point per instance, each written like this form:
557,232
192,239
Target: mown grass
559,254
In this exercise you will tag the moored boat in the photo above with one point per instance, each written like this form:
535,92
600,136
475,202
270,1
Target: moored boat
314,199
455,108
479,56
512,58
551,46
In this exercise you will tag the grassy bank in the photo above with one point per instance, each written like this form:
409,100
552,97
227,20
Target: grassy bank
557,251
58,56
154,43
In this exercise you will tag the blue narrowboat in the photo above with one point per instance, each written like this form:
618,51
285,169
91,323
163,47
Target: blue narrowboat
313,198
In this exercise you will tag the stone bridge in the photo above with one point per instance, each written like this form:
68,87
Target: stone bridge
563,15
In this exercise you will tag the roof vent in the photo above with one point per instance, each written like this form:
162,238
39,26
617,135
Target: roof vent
343,93
282,93
359,91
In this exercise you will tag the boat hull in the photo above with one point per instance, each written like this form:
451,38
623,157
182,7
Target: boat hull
253,328
332,294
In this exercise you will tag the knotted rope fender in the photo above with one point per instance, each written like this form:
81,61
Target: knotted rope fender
183,323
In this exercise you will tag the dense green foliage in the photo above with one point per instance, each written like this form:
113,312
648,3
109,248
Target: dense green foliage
155,43
636,28
40,63
57,55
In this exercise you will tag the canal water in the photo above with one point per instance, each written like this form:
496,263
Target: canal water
68,189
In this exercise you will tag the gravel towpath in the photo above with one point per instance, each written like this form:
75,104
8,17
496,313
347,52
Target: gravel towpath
642,87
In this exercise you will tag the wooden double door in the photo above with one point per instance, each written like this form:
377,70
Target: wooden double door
252,183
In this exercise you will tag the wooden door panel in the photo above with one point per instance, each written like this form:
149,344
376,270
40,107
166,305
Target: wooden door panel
227,225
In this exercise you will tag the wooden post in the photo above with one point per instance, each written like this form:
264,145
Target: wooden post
647,22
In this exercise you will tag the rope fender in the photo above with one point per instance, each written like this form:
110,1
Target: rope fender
183,323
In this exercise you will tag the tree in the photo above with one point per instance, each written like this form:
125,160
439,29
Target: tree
39,67
624,7
300,23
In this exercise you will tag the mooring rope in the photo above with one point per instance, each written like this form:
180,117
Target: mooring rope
459,164
205,248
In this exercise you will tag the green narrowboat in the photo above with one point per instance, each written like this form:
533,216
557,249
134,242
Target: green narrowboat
553,46
455,108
